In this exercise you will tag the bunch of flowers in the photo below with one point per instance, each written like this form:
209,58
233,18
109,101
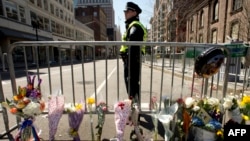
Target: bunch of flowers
100,109
27,103
204,116
155,111
245,107
232,109
55,112
122,112
75,117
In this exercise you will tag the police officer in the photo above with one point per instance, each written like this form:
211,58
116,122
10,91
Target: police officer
135,31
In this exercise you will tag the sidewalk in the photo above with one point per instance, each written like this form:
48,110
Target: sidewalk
233,87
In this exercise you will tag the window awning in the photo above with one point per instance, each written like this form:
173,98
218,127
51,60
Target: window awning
5,32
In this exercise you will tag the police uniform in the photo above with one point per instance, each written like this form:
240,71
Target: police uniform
135,31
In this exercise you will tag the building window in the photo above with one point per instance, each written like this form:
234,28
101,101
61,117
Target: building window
83,13
216,11
45,4
235,30
200,38
52,9
46,24
201,19
214,36
95,14
191,40
11,10
1,8
237,4
22,14
39,3
61,14
40,21
32,1
53,26
192,25
57,11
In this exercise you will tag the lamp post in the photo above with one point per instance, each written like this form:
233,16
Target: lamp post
35,25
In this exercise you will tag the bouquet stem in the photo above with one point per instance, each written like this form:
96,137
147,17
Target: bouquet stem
91,124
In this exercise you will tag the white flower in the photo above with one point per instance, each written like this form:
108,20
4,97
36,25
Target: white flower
32,109
228,103
189,101
69,107
196,108
213,101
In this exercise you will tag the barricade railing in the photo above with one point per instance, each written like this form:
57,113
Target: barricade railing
98,72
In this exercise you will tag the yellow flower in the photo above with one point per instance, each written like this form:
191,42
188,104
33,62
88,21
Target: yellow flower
246,99
91,100
245,117
78,106
219,133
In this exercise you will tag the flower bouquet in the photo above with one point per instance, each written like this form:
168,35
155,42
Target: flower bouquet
232,109
75,116
55,111
28,104
165,117
207,119
245,108
201,119
101,109
155,111
122,111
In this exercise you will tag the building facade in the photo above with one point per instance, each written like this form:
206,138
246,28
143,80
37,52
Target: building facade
107,6
40,20
217,21
200,21
95,18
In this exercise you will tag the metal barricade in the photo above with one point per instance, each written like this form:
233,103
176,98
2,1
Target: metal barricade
99,73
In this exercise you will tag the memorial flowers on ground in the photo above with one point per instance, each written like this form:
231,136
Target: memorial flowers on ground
202,118
55,111
245,107
75,116
100,109
155,111
28,104
122,112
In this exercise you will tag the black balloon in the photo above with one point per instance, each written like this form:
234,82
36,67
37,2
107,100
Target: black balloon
209,62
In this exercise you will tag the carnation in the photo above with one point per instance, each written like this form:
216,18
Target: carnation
189,102
32,109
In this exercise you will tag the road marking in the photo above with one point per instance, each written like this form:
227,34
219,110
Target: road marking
103,83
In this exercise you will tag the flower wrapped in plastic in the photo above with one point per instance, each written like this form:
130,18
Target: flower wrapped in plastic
75,117
122,112
28,104
165,117
155,111
207,121
232,109
245,108
100,109
55,111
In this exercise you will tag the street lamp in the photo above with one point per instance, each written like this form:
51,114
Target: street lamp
35,24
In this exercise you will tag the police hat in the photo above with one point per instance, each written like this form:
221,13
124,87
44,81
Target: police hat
133,6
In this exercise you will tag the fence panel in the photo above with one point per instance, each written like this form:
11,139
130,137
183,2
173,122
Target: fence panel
83,69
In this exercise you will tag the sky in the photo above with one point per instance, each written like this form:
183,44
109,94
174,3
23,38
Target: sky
147,7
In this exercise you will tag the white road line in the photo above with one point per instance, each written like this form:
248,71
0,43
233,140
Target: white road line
103,83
